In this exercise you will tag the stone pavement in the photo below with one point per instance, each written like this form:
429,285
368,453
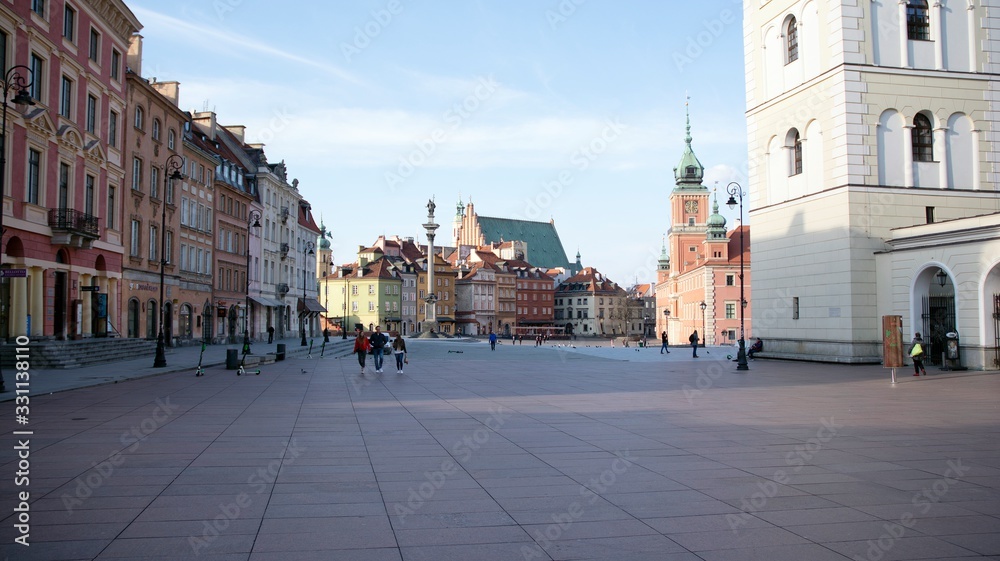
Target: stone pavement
519,454
179,359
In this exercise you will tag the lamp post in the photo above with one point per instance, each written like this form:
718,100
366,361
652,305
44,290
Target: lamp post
735,190
13,80
347,294
704,323
666,321
307,250
253,221
174,165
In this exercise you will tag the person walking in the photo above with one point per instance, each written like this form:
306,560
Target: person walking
270,334
361,346
378,341
665,347
694,343
917,353
399,351
493,341
326,334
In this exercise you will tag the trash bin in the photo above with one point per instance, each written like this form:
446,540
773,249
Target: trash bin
952,355
280,354
232,359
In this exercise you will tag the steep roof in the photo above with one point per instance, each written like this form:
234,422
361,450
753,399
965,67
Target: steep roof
545,249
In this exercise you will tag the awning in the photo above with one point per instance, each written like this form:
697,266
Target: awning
310,306
268,302
445,319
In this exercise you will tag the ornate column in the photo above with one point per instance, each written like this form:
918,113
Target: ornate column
904,46
908,156
941,153
936,36
37,302
430,319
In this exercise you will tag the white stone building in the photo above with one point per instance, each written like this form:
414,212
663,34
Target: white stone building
865,118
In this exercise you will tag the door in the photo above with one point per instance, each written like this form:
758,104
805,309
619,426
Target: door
60,310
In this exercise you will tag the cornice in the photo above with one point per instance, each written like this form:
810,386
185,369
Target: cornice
117,16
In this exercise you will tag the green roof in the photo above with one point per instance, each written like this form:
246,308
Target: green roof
544,247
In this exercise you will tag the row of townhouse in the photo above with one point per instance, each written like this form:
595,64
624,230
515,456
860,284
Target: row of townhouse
120,209
477,290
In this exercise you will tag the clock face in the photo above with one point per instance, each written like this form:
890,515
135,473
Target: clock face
691,206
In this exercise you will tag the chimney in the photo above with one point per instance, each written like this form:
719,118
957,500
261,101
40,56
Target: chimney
207,121
239,131
169,90
134,58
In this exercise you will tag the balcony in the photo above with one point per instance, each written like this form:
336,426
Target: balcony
73,228
284,214
284,251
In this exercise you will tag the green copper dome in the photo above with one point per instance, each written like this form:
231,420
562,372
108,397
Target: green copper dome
716,222
324,241
689,172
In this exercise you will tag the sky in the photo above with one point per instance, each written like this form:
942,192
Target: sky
564,110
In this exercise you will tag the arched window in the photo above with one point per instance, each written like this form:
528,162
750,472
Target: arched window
151,317
140,117
156,129
133,319
918,21
794,144
791,41
923,140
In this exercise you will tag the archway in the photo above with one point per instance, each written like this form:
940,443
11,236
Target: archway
133,319
168,323
185,331
151,319
934,309
991,315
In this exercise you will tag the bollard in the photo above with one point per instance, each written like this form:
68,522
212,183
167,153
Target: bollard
232,359
280,353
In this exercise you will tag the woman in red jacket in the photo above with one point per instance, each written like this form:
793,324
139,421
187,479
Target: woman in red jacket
361,347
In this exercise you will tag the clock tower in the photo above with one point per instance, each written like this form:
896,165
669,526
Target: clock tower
688,210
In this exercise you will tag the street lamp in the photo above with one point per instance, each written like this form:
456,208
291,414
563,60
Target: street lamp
253,221
735,190
704,323
13,80
347,294
174,165
307,250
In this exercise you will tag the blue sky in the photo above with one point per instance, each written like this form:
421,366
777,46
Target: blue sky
571,110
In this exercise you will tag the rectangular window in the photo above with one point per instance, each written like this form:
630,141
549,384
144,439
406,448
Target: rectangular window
184,259
63,185
730,280
795,307
170,192
113,129
134,250
169,251
184,211
116,63
153,243
110,220
88,195
154,182
38,78
3,52
66,97
95,45
38,6
929,213
34,175
730,310
91,114
136,174
69,23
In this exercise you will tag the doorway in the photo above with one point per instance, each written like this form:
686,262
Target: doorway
60,309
